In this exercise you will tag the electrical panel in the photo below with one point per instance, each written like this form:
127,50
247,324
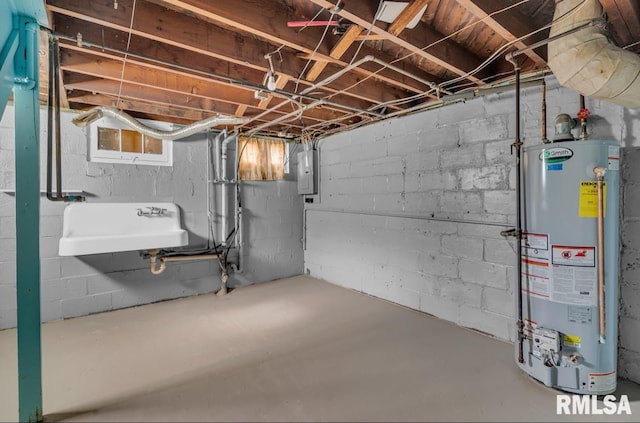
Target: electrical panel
307,176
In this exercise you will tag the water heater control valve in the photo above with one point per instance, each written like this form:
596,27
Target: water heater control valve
545,341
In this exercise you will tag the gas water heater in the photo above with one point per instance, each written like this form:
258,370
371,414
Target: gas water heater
569,264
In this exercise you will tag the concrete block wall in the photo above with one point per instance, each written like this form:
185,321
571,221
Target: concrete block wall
412,208
272,226
76,286
272,232
630,262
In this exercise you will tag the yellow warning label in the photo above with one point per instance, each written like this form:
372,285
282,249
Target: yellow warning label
572,341
588,206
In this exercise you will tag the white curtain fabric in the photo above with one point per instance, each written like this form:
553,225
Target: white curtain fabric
261,160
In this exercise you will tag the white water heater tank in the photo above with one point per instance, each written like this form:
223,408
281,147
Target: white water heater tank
563,346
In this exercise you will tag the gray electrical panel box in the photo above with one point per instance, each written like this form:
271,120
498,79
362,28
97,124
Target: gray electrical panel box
307,179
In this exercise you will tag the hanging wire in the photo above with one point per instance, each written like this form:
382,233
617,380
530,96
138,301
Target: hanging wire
628,46
124,60
432,44
333,11
312,20
488,60
453,34
373,22
505,47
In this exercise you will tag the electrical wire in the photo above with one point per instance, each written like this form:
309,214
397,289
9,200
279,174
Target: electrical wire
324,34
502,49
440,40
491,58
484,64
364,39
453,34
124,60
631,45
312,19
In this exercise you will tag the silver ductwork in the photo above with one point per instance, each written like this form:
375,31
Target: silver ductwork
96,113
587,61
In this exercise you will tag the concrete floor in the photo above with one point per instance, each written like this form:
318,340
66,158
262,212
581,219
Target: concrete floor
292,350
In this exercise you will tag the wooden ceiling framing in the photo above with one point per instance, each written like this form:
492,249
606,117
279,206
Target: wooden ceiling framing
186,60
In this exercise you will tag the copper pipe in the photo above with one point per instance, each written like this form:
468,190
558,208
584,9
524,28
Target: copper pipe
599,171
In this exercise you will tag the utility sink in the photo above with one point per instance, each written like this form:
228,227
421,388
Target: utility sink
93,228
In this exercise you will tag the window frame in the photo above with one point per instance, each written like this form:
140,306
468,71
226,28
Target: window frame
97,155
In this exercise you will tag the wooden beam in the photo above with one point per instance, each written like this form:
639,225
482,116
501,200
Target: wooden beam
337,51
241,110
188,58
193,89
370,37
406,16
135,92
271,24
445,54
624,19
136,73
203,39
509,24
138,106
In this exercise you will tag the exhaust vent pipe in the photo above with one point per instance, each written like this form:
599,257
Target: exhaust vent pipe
96,113
587,61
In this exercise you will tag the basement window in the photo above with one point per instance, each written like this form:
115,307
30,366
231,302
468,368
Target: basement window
262,159
110,142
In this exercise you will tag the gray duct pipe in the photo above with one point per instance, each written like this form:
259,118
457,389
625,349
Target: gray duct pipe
96,113
587,62
217,155
224,207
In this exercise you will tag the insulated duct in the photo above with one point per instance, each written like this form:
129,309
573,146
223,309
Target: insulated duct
587,61
96,113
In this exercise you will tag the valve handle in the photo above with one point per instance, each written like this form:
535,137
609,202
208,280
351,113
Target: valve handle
583,113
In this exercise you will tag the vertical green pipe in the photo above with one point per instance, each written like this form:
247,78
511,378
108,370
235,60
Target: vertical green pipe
27,131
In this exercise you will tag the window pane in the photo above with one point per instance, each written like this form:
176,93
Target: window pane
108,139
131,141
152,145
261,160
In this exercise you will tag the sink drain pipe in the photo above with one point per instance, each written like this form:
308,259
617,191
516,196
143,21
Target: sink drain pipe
155,259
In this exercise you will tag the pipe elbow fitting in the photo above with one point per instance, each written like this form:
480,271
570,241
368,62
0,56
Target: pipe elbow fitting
153,261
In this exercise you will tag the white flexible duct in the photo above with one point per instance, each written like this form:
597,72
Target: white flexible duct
96,113
587,62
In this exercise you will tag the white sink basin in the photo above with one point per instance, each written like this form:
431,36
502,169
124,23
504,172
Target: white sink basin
92,228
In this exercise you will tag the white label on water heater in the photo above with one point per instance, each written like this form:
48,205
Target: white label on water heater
602,381
574,256
573,275
614,157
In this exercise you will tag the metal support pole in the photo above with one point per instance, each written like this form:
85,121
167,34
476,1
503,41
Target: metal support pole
27,131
